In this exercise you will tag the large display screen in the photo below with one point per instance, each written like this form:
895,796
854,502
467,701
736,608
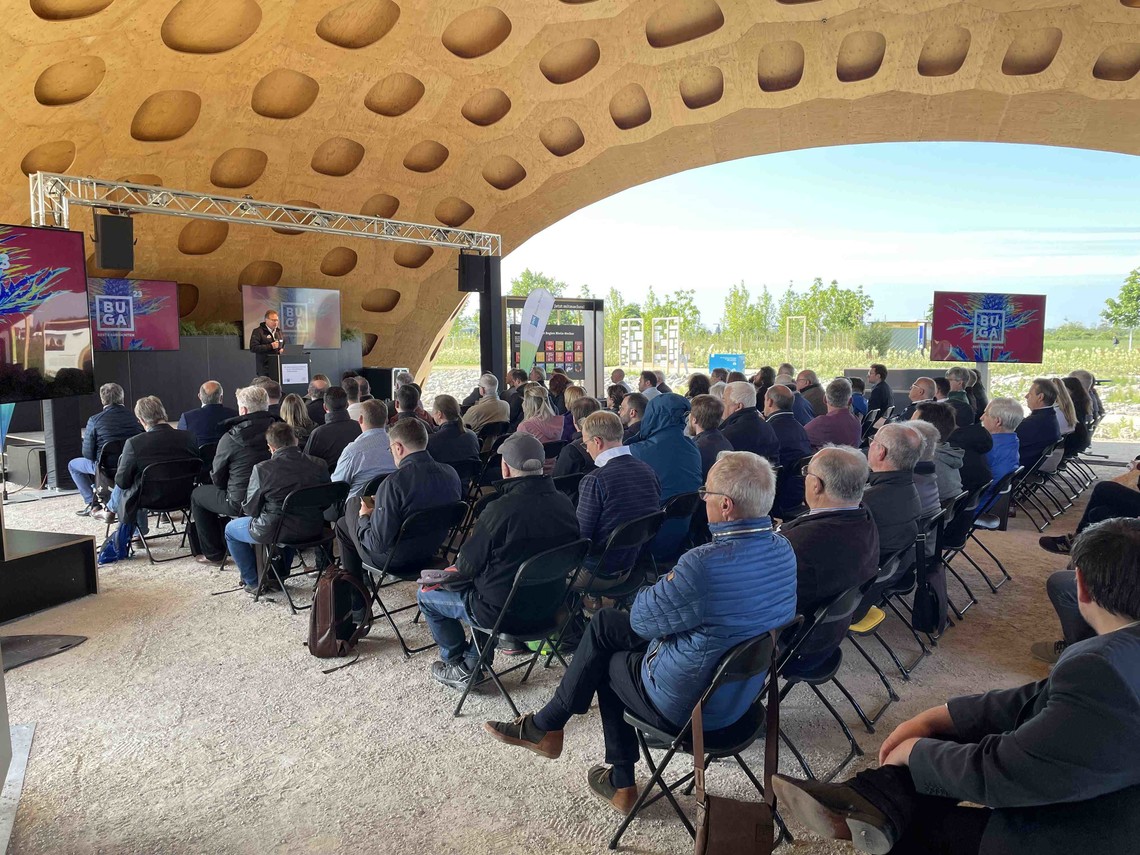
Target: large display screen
309,317
988,327
45,333
562,346
134,314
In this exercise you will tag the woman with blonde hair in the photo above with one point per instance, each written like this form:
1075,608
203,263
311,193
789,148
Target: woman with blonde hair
296,415
540,421
1066,414
572,394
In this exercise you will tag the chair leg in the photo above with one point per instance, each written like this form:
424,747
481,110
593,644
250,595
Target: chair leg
657,779
376,598
960,613
867,723
791,746
997,562
486,659
855,751
892,695
784,833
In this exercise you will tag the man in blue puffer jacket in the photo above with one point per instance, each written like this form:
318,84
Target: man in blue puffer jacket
657,660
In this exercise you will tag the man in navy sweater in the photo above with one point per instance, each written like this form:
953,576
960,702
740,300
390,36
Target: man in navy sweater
1039,429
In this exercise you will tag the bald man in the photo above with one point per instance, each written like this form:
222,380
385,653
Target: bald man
205,423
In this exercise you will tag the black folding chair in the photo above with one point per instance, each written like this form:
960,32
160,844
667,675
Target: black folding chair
993,517
568,484
680,507
374,484
489,433
543,581
106,464
431,524
1026,487
308,505
743,662
165,488
207,453
551,450
869,423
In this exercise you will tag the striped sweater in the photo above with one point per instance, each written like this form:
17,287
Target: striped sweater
624,489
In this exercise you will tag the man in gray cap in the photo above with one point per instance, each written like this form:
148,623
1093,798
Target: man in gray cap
527,516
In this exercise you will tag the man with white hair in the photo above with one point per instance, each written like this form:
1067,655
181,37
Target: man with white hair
617,378
958,378
922,391
490,409
742,424
205,422
657,659
1001,418
891,495
113,422
838,426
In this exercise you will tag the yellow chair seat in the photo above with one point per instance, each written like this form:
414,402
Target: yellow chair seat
870,622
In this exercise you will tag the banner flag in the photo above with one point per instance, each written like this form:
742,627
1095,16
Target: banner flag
535,314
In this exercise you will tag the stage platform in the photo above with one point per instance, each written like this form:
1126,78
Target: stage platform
41,569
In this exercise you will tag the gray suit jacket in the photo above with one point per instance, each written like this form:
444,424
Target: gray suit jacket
1058,760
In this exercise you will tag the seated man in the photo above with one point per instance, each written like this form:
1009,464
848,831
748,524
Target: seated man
838,426
490,409
737,587
352,391
941,389
407,404
922,390
516,377
622,488
742,424
801,407
808,385
1054,765
452,442
205,423
113,422
1117,498
647,385
891,496
794,447
315,399
1001,418
241,448
286,470
1039,429
365,389
631,412
368,530
959,377
368,455
704,423
158,443
332,437
858,399
574,457
527,515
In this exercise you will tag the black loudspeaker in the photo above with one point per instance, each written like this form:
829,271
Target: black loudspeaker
114,242
474,270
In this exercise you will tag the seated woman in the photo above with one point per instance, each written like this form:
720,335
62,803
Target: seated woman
574,458
539,420
947,459
572,394
615,394
1079,439
295,414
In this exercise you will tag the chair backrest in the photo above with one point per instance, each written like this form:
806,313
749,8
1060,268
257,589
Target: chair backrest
167,486
540,586
962,516
488,434
999,504
888,412
430,524
492,470
629,535
551,450
681,506
568,484
467,470
374,484
825,630
107,460
207,452
308,504
869,422
1052,461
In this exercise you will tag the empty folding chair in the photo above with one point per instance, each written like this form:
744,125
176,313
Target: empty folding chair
164,489
994,517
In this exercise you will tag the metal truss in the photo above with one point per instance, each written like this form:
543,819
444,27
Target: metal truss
52,196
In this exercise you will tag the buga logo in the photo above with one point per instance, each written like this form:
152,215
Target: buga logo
294,317
114,313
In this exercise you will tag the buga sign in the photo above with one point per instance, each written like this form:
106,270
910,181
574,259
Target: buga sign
114,313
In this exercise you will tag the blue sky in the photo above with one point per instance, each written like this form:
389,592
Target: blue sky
900,219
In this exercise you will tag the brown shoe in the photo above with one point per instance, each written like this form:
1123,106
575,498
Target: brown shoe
621,799
836,812
202,559
523,733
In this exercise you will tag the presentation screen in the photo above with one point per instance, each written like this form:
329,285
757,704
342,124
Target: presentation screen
562,346
45,332
988,327
134,314
310,317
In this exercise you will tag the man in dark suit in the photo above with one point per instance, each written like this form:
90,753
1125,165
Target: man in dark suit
515,378
704,423
315,403
922,390
631,412
267,343
158,443
742,424
794,446
205,423
1055,764
328,440
113,422
880,396
1039,429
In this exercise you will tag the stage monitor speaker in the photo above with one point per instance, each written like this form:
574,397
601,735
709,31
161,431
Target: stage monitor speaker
114,242
474,271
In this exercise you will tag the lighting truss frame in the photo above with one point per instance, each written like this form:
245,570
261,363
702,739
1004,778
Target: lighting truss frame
53,194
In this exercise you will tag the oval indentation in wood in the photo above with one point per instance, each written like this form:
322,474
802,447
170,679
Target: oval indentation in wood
412,255
860,56
394,95
453,212
426,156
337,156
68,10
210,26
780,66
55,156
381,299
187,298
477,32
146,178
284,94
1031,52
359,23
238,167
682,21
562,136
1118,63
166,115
486,107
944,52
70,81
570,60
629,108
94,269
339,261
264,274
381,205
702,87
368,342
294,217
503,172
201,237
1131,4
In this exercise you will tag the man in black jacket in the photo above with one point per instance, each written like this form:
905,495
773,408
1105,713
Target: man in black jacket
515,378
241,448
527,517
272,480
1039,429
205,423
113,422
266,341
976,442
328,440
158,443
704,423
315,399
1054,764
794,447
452,442
743,426
880,396
891,495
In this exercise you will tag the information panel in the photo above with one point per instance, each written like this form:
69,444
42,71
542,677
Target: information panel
562,346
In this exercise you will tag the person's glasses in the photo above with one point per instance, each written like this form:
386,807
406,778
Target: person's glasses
804,471
704,492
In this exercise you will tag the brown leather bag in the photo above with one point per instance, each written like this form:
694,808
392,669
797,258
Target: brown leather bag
332,630
731,826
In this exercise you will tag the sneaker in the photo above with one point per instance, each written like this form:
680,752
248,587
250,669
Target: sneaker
1057,545
621,799
87,510
453,675
1048,651
523,733
250,588
836,812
